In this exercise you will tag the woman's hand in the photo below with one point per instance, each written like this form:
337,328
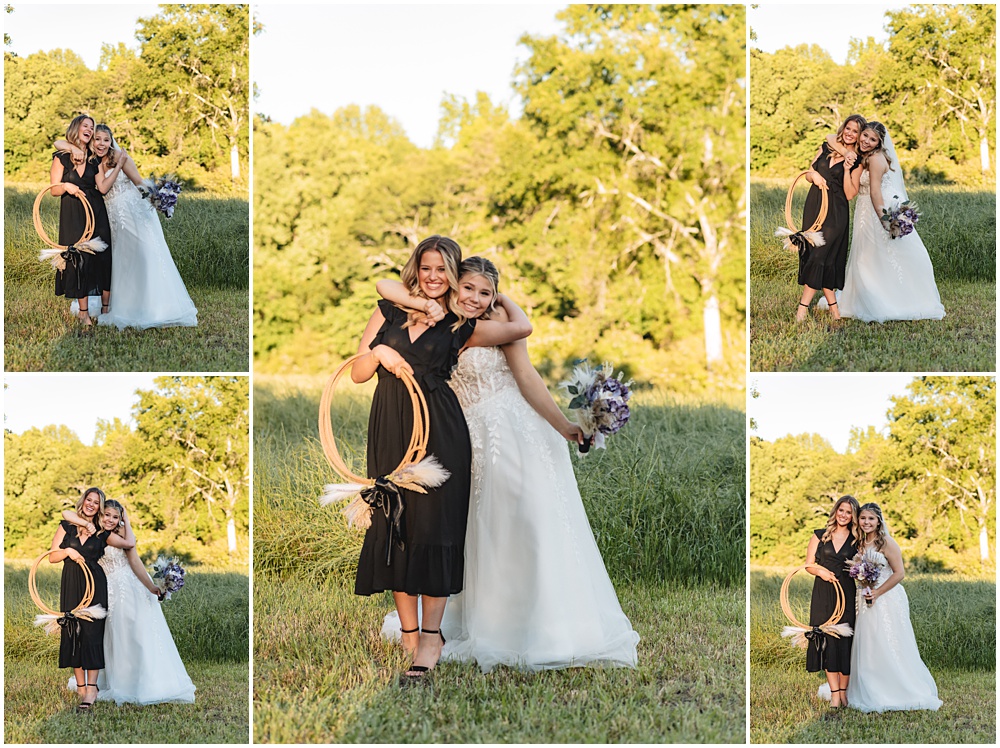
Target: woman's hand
77,155
572,433
71,189
850,158
391,360
89,527
434,311
817,179
827,576
74,554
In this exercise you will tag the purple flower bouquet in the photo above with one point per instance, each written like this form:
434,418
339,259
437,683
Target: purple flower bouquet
162,193
867,571
172,574
600,401
901,219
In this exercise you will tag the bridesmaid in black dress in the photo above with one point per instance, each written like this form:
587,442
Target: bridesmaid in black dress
831,548
83,649
428,559
91,275
825,267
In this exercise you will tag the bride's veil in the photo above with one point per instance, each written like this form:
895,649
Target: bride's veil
896,192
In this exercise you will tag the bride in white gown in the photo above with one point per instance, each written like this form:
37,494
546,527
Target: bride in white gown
142,665
536,594
888,674
886,279
146,289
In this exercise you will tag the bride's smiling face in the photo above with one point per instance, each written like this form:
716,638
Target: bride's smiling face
869,141
102,143
432,275
868,521
110,518
475,294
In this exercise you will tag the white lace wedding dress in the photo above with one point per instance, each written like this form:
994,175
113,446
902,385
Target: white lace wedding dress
146,289
142,665
536,593
886,279
887,673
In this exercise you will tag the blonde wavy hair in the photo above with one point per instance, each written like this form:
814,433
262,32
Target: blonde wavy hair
83,497
451,254
831,523
73,134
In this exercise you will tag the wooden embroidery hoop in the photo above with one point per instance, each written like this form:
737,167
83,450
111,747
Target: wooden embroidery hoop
823,207
88,230
88,593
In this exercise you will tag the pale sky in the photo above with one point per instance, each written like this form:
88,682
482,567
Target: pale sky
830,26
825,404
86,27
402,58
73,400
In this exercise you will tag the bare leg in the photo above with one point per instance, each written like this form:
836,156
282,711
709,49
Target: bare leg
140,571
429,649
83,315
81,679
844,680
834,680
406,606
831,300
803,311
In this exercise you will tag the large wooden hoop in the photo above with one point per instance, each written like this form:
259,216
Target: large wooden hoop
88,593
838,610
417,448
88,231
823,207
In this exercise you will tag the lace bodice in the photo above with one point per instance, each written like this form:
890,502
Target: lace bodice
481,374
114,560
866,183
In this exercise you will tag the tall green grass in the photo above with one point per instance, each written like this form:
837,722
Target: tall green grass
665,499
209,241
209,621
954,621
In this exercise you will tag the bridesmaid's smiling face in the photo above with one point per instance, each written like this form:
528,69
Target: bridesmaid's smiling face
432,275
91,504
845,515
851,133
475,294
86,130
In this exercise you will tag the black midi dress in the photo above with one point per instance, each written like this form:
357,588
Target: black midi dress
86,648
431,559
835,656
90,274
826,266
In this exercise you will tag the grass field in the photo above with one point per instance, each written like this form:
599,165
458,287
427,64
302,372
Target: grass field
959,229
209,240
209,621
666,505
954,620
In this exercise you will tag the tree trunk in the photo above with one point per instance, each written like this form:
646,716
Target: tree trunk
234,160
984,543
984,154
713,331
231,534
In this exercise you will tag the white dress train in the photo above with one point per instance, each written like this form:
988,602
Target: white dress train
142,665
146,289
536,594
887,673
886,279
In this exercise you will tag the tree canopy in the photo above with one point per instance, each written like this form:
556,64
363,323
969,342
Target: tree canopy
614,207
180,103
933,84
932,470
182,472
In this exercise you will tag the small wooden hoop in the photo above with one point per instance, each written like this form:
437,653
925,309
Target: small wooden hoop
823,207
838,611
417,448
88,231
88,593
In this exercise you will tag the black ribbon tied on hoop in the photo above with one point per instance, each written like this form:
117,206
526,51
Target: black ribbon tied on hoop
800,241
71,625
74,257
818,638
385,495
